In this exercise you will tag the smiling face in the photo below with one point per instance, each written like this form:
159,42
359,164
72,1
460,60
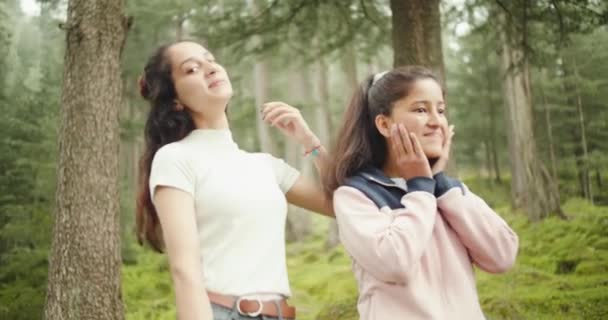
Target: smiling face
422,112
200,82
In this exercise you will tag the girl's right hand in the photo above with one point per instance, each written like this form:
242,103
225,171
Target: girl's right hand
411,160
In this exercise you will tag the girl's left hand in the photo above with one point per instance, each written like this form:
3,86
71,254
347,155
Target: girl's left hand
290,121
442,162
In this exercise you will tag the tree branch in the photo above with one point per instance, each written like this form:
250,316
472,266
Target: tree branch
504,7
560,20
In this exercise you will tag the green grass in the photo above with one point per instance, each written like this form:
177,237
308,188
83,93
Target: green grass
561,271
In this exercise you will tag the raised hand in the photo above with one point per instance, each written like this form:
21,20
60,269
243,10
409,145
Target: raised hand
442,162
291,123
411,160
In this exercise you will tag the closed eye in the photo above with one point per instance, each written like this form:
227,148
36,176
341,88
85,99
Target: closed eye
192,69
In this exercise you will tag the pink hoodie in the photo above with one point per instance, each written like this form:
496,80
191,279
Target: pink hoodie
417,262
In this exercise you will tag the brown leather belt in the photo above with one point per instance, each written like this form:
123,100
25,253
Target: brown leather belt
255,307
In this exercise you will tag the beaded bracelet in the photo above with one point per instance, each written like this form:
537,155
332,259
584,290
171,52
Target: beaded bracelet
314,151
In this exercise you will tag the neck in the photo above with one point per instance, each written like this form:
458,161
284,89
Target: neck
217,122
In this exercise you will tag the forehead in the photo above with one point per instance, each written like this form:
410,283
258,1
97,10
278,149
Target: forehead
422,90
183,50
426,87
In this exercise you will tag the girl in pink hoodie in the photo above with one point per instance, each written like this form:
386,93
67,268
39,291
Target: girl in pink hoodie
413,233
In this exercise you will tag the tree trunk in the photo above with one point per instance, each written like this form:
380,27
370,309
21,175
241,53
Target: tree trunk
585,179
324,123
532,189
570,86
493,149
262,89
349,66
488,159
179,27
417,34
299,221
84,267
549,125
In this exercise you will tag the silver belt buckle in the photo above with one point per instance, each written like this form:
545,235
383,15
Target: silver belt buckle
250,314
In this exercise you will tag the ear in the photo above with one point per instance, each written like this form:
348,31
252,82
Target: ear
383,124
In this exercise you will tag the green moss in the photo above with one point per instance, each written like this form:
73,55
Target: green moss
323,286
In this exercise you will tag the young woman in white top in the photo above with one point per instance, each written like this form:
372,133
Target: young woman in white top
218,211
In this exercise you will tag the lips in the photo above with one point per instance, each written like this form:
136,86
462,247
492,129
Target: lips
215,83
434,135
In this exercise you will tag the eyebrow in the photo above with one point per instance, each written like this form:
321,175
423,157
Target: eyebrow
206,54
425,102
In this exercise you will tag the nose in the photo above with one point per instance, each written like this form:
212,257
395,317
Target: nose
210,69
433,120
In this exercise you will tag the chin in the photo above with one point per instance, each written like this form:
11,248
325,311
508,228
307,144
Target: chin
432,153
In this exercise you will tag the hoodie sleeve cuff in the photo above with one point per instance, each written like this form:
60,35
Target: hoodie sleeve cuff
421,184
445,183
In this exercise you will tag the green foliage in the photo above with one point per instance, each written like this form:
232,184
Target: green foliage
540,286
147,289
566,44
29,107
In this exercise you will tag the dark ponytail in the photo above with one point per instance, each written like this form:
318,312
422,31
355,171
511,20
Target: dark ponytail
165,124
359,143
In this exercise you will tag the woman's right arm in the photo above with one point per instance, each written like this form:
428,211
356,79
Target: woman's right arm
388,246
177,218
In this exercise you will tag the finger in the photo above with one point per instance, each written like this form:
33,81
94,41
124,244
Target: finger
448,143
396,144
405,137
278,104
275,112
417,149
269,106
282,119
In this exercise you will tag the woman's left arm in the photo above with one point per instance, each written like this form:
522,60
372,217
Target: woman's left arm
305,192
309,195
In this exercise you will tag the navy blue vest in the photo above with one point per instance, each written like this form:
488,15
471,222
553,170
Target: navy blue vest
377,187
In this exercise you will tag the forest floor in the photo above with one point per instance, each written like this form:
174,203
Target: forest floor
561,271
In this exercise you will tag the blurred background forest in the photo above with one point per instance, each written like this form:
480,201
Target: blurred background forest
527,89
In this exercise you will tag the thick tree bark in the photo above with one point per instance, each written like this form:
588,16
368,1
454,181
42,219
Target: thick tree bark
84,270
531,187
417,34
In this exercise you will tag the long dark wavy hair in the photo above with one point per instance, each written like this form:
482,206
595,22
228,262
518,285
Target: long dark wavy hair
165,124
359,143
